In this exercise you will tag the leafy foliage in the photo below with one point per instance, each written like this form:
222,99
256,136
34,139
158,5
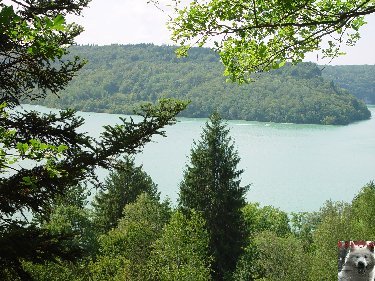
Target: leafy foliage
263,224
276,254
43,157
267,218
34,40
141,224
81,154
255,36
308,251
69,217
342,221
181,253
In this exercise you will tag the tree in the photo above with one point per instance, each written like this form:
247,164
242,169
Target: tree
76,222
259,221
34,40
278,258
211,185
303,225
122,187
43,156
334,226
132,239
67,158
258,35
34,37
268,218
336,221
362,224
181,253
120,254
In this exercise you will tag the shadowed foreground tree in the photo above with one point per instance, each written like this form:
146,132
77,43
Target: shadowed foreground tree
211,185
43,156
67,159
34,37
258,35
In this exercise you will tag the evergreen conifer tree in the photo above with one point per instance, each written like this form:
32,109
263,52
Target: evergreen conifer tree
121,187
211,185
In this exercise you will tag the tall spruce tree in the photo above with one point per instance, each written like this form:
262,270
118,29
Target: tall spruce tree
211,185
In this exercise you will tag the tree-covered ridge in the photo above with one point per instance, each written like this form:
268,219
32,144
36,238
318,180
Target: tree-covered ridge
359,80
118,77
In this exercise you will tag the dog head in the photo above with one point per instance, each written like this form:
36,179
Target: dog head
360,257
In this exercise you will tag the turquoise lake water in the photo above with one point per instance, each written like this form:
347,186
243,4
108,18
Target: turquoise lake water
293,167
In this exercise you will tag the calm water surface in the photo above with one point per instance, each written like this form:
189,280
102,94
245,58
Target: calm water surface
293,167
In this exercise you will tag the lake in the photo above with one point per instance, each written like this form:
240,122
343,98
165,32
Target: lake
290,166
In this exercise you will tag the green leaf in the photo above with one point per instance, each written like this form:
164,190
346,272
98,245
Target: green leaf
22,147
58,22
30,181
61,148
282,63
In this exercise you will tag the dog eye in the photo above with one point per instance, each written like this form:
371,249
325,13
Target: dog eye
365,257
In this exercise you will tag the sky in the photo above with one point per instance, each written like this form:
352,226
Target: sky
134,21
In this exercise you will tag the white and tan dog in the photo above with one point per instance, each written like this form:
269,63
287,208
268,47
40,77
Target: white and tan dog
359,262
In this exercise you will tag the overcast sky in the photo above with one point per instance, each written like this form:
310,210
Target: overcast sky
135,21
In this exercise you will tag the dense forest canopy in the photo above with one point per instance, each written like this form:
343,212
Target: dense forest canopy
119,77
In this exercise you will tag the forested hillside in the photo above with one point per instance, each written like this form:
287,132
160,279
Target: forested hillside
117,78
359,80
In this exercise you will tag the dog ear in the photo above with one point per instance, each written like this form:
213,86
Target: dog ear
370,246
344,245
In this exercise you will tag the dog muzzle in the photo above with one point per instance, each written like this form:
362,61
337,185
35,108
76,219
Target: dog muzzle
361,267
